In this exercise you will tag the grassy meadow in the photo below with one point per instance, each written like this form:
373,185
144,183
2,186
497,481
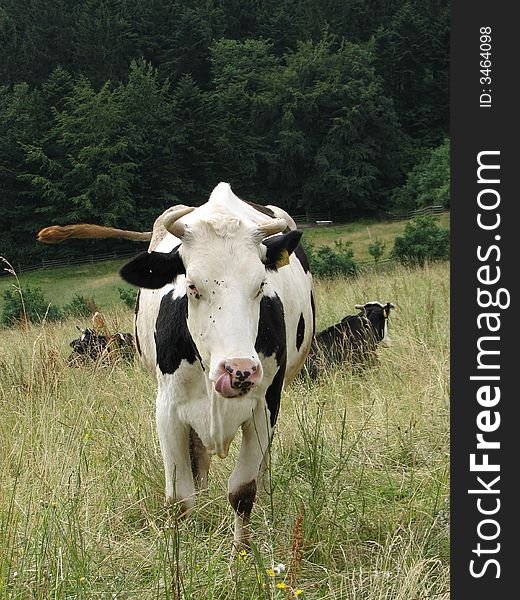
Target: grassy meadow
99,281
362,233
360,471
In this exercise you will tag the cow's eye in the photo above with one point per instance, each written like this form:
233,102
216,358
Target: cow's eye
193,291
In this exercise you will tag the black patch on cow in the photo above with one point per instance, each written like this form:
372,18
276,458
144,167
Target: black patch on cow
243,498
262,209
302,257
271,340
199,458
278,244
271,328
300,332
153,270
313,310
136,310
172,338
274,391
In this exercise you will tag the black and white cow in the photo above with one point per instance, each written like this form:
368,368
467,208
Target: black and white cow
353,340
224,320
89,346
96,347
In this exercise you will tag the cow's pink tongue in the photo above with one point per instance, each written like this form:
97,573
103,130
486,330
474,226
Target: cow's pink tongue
223,386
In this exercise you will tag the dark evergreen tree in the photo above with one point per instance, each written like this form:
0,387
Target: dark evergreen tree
246,104
91,178
35,37
103,43
413,59
21,122
428,182
339,133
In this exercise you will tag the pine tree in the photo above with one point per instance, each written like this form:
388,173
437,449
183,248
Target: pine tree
35,37
21,122
338,137
103,44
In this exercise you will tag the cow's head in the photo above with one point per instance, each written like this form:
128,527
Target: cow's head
89,342
224,264
378,314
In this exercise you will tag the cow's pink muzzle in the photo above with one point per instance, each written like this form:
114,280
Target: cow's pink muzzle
237,376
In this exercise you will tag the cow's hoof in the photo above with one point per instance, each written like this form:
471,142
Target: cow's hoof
241,549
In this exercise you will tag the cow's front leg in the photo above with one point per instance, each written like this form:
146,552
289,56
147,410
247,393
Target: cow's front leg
174,439
242,485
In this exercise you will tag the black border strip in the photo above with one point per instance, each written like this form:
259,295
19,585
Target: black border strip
475,129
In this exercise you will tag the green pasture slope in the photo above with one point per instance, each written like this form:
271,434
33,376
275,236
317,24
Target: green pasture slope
362,233
101,281
359,508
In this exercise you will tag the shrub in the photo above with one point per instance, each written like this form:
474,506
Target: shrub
128,296
37,308
423,240
79,306
376,249
328,262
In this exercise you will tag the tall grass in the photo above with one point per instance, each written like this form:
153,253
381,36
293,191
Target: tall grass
359,474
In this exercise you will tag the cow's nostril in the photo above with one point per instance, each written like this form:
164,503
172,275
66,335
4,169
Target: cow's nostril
229,369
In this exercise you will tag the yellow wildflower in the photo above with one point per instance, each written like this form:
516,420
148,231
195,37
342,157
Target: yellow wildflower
281,585
270,572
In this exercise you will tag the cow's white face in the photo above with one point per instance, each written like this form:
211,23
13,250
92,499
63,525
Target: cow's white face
225,282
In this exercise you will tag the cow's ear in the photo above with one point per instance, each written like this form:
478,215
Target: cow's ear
153,270
279,248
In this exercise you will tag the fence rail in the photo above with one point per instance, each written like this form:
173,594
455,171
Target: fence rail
325,219
46,263
432,211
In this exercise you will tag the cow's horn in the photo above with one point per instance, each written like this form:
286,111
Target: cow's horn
171,220
272,227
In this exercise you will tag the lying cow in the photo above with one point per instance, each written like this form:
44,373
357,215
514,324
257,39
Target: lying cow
353,340
224,320
93,346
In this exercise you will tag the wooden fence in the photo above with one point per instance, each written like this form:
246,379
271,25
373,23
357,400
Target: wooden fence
327,219
70,262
